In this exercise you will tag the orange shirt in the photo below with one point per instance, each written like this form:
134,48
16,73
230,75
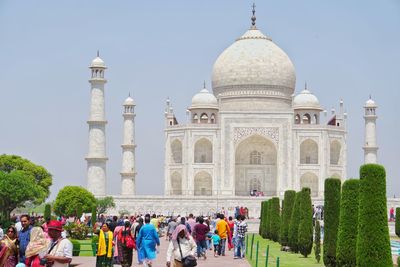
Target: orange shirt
223,229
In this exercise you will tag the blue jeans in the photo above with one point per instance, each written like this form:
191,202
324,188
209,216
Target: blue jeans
239,247
201,247
221,248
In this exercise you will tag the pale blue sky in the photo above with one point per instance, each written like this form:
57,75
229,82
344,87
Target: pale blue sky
155,49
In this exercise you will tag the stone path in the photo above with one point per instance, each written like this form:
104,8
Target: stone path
161,259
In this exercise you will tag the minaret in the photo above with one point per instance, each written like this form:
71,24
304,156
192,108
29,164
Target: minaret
370,146
128,149
96,157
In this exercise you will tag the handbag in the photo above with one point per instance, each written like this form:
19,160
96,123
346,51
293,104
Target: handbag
128,241
188,261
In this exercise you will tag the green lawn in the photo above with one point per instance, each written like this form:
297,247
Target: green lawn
86,247
286,259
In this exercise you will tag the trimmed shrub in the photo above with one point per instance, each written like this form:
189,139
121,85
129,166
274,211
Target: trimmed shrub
47,212
348,223
287,208
76,247
331,220
305,237
264,222
260,229
317,241
275,218
373,243
268,220
294,224
93,219
397,223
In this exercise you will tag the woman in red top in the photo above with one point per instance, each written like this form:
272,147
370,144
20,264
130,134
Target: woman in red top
231,225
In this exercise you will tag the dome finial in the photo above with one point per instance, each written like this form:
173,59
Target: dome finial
204,84
305,85
98,53
253,18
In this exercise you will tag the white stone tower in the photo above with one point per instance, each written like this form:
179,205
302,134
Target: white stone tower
370,145
96,157
128,149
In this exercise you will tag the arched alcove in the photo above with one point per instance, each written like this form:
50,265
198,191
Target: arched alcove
176,151
309,152
176,183
310,180
203,184
203,151
335,148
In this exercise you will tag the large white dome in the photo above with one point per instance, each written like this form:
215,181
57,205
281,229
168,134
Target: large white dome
254,65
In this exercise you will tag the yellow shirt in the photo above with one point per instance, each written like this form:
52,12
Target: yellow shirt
223,229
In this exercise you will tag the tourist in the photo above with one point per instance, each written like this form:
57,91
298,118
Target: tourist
24,236
126,244
113,223
200,231
154,221
181,246
239,236
137,229
146,242
60,251
104,249
171,227
183,221
223,232
117,245
1,231
216,240
8,248
37,247
191,221
391,215
231,225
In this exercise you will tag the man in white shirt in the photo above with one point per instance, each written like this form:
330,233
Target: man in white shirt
60,251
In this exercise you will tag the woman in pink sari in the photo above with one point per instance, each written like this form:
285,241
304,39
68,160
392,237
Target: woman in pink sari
8,248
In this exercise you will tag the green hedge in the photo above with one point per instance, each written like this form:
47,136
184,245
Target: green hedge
275,218
305,237
287,209
331,220
260,228
373,243
294,224
268,220
397,224
76,247
317,241
348,223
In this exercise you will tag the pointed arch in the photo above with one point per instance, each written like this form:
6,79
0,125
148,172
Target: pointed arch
176,151
306,118
203,184
335,149
297,119
176,183
203,151
310,180
309,152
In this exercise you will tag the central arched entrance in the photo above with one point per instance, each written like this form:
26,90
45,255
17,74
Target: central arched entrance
255,166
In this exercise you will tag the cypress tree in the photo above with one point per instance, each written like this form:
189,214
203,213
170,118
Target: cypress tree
373,243
287,208
331,220
268,220
260,229
47,212
348,223
305,237
317,248
275,219
397,223
294,224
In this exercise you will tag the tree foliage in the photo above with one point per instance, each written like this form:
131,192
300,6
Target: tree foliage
317,241
268,220
348,223
305,238
287,208
21,181
70,198
105,203
373,243
331,220
294,224
275,218
397,223
261,229
93,218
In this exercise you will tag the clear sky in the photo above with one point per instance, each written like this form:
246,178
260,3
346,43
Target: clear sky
155,49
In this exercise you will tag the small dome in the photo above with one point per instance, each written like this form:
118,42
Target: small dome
370,103
204,99
98,63
306,100
129,101
253,64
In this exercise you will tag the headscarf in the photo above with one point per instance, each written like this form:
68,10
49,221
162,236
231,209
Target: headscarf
38,242
178,229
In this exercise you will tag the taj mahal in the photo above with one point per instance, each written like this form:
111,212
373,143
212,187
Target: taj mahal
249,134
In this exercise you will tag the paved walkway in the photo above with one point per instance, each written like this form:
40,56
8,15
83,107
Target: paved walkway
161,259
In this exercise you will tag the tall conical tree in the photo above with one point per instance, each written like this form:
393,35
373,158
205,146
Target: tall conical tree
348,223
260,228
287,209
268,220
397,223
331,220
305,237
373,243
317,241
275,219
294,224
